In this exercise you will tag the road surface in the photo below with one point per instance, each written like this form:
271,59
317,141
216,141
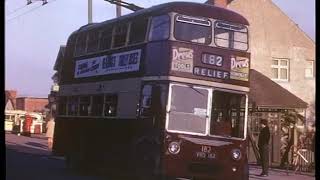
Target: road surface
28,158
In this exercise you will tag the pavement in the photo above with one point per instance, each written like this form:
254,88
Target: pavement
275,174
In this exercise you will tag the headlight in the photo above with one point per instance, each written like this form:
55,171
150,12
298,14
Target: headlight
174,148
236,154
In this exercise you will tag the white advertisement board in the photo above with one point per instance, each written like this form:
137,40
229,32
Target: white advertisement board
128,61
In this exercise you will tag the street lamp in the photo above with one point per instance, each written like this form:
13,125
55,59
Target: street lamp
43,2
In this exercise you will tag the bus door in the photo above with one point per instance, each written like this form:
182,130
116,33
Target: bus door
152,104
151,116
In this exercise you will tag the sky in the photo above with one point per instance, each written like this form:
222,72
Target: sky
34,33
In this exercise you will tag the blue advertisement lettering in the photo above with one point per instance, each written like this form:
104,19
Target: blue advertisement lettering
108,62
133,59
123,60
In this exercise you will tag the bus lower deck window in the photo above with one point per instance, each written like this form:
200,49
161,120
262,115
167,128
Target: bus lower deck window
97,105
62,105
110,105
84,106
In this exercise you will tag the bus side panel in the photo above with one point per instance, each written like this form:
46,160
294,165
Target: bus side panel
101,142
157,58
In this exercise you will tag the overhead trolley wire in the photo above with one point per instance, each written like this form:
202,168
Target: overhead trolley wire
27,12
12,12
24,13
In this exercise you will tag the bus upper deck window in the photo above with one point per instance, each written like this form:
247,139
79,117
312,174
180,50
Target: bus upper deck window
105,39
192,29
92,42
231,36
120,35
160,27
138,31
81,44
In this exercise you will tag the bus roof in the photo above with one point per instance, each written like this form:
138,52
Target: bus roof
188,8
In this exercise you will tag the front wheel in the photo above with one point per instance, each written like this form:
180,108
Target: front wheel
146,161
246,172
73,163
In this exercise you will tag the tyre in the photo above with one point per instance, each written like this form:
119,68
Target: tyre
146,161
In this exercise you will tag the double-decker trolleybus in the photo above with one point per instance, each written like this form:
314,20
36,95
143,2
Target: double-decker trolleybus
161,92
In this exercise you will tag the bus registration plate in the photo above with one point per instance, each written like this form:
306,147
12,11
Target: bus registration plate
206,153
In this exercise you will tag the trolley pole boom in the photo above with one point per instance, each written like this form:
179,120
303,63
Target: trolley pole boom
129,6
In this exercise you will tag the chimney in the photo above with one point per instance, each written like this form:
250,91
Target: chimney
220,3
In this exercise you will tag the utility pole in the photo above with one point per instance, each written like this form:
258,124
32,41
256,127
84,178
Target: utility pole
89,11
118,9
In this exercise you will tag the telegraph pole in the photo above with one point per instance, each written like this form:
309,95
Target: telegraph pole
118,9
89,11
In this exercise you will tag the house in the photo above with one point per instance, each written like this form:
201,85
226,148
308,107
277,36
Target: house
283,63
10,101
31,104
280,49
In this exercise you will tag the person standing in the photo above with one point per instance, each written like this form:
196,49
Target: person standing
263,144
50,132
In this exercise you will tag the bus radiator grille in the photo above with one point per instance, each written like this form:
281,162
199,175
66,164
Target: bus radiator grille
204,168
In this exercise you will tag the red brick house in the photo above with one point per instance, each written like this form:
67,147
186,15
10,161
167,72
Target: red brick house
31,104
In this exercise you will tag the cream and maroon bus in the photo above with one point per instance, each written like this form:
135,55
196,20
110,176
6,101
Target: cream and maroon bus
159,93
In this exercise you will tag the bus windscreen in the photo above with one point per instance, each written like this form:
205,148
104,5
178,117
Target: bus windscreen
188,109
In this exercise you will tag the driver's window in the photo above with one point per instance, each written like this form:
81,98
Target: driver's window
153,100
227,114
145,109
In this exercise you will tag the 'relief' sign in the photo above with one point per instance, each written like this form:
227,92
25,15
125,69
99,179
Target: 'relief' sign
128,61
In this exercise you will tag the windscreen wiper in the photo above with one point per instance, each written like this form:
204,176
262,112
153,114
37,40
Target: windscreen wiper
196,90
129,6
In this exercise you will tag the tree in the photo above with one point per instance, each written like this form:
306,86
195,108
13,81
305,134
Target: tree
288,121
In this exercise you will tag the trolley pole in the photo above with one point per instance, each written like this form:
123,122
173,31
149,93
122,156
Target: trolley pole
89,11
118,9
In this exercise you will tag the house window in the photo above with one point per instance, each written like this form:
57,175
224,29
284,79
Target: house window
309,70
280,69
110,105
